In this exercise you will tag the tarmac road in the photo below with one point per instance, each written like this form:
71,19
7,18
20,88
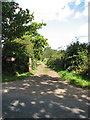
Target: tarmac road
44,95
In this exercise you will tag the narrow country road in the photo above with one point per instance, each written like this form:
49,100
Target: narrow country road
43,95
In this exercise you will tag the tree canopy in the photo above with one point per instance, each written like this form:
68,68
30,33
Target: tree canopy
20,34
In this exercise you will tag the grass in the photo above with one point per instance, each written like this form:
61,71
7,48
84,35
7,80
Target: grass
6,78
75,79
45,70
71,77
44,62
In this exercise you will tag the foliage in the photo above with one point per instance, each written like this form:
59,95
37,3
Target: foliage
39,43
72,64
18,51
21,38
18,76
26,40
76,58
47,52
54,57
74,79
14,20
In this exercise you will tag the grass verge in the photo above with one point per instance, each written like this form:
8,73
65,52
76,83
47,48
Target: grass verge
18,76
45,71
72,78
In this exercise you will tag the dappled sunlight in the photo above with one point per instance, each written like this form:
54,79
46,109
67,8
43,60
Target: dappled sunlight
80,100
22,104
33,92
36,115
26,84
49,92
41,102
25,80
33,102
42,110
43,96
42,93
17,102
5,91
16,105
60,91
44,82
75,96
60,96
47,116
85,96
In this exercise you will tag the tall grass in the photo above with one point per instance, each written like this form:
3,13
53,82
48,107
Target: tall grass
6,78
71,77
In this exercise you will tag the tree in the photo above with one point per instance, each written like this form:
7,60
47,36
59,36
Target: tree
18,51
76,57
39,43
14,20
20,35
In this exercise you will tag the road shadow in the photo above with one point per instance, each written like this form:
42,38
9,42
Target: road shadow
43,97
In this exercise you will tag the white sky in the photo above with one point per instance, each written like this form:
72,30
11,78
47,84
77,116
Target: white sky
66,19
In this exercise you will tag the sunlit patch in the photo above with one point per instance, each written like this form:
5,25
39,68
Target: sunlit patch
12,108
82,116
37,85
11,88
42,93
83,96
87,103
74,110
33,102
77,110
60,96
47,116
44,82
15,103
26,80
54,81
80,100
57,85
41,101
65,82
58,91
5,90
6,83
22,88
75,96
26,84
22,104
33,92
36,115
49,92
42,110
51,84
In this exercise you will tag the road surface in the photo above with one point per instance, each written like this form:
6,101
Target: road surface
43,95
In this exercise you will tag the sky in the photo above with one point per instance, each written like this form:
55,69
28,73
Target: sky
65,19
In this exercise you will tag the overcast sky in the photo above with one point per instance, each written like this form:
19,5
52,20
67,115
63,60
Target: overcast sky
66,19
